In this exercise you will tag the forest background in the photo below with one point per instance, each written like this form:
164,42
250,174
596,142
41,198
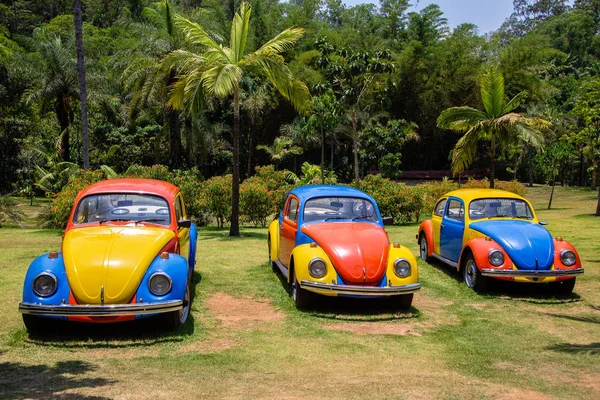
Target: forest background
377,73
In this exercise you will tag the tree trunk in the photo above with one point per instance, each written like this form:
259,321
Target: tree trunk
355,144
322,156
82,83
594,168
234,230
530,167
598,206
493,163
332,150
250,147
174,129
553,184
582,163
63,111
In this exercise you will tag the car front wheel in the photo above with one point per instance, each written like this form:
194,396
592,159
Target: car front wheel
423,248
403,301
563,287
473,277
35,324
174,320
302,297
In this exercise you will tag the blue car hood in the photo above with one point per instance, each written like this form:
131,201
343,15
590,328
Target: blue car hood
530,246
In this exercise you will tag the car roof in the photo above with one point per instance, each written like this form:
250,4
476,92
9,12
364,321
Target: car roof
307,192
471,194
131,185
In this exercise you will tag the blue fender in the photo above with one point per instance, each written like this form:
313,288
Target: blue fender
193,244
54,266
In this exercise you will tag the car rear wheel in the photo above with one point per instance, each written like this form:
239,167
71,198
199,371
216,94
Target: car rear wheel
473,277
302,297
563,287
423,248
174,320
403,301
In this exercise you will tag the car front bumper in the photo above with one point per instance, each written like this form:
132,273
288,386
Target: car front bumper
531,274
92,310
361,291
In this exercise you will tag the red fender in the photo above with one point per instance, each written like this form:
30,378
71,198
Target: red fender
427,228
559,246
481,248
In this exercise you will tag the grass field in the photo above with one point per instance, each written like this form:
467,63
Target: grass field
246,340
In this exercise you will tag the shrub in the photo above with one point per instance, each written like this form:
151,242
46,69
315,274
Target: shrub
278,183
431,191
215,196
190,183
9,211
60,208
255,202
159,172
510,186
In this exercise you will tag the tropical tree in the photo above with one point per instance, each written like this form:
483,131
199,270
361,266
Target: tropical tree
82,84
219,70
325,116
281,149
497,123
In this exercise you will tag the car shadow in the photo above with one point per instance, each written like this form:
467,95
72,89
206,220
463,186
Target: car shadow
575,348
590,320
446,269
353,309
25,381
536,293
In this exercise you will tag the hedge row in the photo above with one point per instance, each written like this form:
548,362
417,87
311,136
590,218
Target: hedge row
261,195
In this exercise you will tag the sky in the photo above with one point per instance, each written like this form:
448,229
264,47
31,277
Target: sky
488,15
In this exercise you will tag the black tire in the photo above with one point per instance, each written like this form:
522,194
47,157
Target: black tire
563,287
423,247
174,320
302,297
403,301
472,275
35,324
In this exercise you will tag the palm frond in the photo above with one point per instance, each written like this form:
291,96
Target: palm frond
514,103
239,31
282,42
196,34
465,151
460,118
492,92
222,79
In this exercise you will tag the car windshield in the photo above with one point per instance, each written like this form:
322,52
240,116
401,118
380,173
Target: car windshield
339,208
499,208
129,207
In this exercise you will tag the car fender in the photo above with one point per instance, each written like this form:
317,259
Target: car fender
302,255
176,267
405,253
274,235
480,248
193,245
559,247
56,266
427,228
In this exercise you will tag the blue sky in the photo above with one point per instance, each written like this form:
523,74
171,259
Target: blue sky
488,15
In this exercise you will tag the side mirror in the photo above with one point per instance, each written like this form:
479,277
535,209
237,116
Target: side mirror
388,221
543,223
184,223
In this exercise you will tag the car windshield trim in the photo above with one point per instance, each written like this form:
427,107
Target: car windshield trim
109,207
328,208
500,207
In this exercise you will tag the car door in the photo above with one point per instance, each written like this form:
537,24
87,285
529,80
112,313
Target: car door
182,233
452,229
436,221
288,229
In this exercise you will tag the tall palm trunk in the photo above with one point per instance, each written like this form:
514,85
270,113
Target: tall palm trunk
82,84
493,163
234,230
355,143
322,155
174,129
530,168
332,149
63,114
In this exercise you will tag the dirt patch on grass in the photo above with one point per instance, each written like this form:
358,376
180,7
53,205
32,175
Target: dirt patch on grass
374,328
209,346
242,313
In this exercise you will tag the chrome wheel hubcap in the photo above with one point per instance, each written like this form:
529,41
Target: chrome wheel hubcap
423,248
185,311
470,273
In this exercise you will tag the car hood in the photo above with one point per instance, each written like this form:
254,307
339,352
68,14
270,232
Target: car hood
113,257
358,250
529,245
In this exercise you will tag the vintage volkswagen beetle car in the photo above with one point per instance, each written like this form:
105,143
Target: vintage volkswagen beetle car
330,240
488,233
128,252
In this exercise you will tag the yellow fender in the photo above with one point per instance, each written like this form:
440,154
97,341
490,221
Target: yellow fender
302,255
274,236
394,254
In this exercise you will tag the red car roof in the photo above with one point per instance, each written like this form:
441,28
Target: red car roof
131,185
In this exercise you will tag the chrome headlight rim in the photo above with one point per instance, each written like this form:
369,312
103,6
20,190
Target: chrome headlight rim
154,275
408,268
50,275
312,263
562,257
496,252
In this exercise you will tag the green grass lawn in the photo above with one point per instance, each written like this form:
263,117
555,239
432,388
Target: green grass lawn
246,340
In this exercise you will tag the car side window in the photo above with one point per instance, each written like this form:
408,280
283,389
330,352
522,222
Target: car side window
456,210
179,208
439,208
292,210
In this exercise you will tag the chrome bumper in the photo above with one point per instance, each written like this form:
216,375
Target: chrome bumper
531,274
111,310
366,291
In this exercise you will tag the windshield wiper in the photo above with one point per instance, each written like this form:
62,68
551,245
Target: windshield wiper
327,219
150,220
114,220
362,217
522,217
498,216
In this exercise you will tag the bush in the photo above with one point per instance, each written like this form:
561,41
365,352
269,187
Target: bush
255,202
432,191
215,197
510,186
159,172
278,183
9,211
60,208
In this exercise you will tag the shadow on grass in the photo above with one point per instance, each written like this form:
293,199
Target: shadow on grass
222,234
581,216
20,381
446,269
139,333
353,309
573,348
536,293
591,320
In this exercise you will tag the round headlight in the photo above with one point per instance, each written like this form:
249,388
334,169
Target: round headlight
568,258
496,258
402,268
317,268
44,284
159,283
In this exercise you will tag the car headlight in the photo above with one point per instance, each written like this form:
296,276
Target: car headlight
496,258
568,258
402,268
317,268
45,284
159,283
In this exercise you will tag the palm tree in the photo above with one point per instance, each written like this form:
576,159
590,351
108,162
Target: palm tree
81,75
219,70
497,124
281,149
